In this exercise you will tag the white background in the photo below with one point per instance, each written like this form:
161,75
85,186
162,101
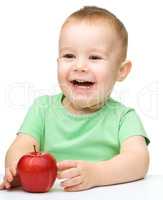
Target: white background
28,50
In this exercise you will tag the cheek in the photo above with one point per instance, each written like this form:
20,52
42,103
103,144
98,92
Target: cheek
62,73
105,75
62,79
106,79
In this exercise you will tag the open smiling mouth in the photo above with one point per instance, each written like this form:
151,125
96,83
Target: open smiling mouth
82,84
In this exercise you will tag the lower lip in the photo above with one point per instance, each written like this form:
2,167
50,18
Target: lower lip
81,89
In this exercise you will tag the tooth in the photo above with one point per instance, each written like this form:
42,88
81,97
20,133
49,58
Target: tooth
81,81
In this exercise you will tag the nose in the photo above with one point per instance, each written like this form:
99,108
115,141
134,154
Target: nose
80,66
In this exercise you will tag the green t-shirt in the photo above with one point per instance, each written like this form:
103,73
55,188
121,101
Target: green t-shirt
94,137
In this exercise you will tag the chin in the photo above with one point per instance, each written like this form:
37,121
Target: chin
84,101
80,102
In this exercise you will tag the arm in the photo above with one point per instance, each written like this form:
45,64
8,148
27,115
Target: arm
131,164
21,145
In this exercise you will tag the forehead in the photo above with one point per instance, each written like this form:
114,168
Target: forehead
99,32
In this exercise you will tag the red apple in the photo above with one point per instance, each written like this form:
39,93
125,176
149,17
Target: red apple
37,171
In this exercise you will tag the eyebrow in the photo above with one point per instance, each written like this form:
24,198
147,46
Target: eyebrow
90,50
65,48
101,51
98,49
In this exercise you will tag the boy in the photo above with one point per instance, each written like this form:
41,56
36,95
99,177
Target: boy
96,140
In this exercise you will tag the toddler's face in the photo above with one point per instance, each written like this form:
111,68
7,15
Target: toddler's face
88,62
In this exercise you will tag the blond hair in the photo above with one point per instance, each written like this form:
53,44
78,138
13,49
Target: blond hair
93,13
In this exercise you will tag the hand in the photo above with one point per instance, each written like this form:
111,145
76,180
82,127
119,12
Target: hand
78,175
11,178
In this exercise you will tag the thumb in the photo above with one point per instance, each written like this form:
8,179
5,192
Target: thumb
8,175
13,170
66,164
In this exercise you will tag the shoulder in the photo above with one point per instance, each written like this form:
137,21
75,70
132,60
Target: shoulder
46,101
119,112
118,107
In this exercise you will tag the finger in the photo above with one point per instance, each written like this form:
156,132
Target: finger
2,185
66,164
75,188
69,173
7,185
15,182
13,170
71,182
8,175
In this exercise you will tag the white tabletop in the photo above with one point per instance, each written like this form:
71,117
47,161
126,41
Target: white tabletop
150,188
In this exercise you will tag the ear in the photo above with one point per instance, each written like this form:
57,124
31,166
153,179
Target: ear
124,70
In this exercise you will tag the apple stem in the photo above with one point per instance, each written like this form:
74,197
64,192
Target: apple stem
34,146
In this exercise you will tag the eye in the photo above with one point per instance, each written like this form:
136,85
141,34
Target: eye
68,55
94,57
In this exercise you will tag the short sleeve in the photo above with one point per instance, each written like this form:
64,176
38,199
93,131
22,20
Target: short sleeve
131,125
33,123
